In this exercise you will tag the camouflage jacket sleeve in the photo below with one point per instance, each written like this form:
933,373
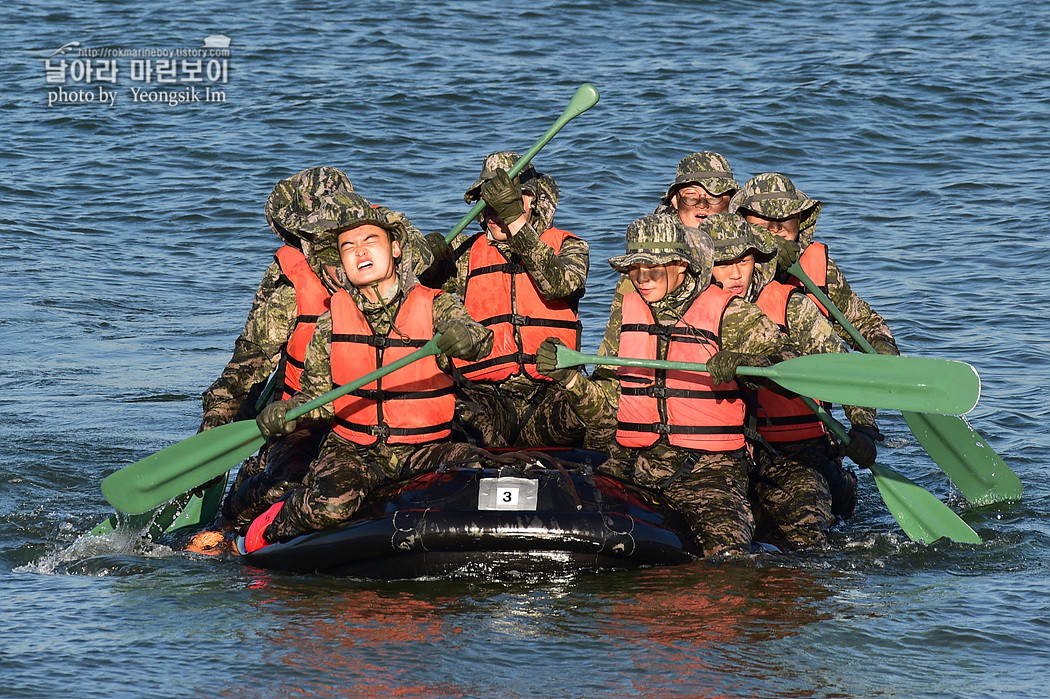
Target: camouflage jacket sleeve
449,309
596,399
558,275
814,334
860,314
611,341
745,328
257,351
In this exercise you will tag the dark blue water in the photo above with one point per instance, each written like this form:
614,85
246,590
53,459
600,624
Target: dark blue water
133,239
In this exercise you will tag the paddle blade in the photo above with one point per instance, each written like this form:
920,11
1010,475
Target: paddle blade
916,384
980,474
160,477
923,517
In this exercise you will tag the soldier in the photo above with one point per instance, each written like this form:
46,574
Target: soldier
294,292
401,426
770,200
523,278
703,186
678,432
799,485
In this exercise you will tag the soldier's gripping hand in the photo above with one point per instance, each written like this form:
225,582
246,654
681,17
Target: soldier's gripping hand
457,341
504,196
787,252
861,448
438,247
885,347
723,365
271,420
547,362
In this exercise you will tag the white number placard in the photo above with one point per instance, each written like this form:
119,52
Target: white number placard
507,493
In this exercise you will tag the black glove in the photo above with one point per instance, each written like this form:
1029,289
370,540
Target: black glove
547,362
861,448
438,246
271,420
885,347
457,341
723,365
787,252
504,196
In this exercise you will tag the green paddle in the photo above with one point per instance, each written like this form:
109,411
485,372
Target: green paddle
899,383
187,510
922,516
181,467
965,457
584,98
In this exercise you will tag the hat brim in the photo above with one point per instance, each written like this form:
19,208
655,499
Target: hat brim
781,208
621,263
718,186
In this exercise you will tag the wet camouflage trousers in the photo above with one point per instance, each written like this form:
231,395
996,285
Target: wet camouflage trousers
517,414
709,489
344,473
797,493
265,478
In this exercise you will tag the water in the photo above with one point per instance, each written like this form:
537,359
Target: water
133,240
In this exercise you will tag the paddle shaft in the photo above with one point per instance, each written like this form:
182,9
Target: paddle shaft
797,271
431,347
584,98
900,383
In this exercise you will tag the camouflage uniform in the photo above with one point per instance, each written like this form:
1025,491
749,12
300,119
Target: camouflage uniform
709,488
294,203
343,473
771,195
791,484
519,411
709,170
272,318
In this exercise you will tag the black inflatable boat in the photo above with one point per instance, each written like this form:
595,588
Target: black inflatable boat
524,512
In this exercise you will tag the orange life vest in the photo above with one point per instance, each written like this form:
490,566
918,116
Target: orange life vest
814,262
683,405
783,419
312,299
503,297
411,405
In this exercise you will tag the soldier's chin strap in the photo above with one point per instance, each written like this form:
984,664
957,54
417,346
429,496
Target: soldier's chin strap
387,310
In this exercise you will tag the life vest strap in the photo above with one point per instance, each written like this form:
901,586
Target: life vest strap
381,341
664,428
384,431
674,332
502,268
659,391
521,321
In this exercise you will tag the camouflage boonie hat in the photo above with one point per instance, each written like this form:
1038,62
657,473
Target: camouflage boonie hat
338,213
292,199
733,237
503,159
771,195
657,239
707,169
